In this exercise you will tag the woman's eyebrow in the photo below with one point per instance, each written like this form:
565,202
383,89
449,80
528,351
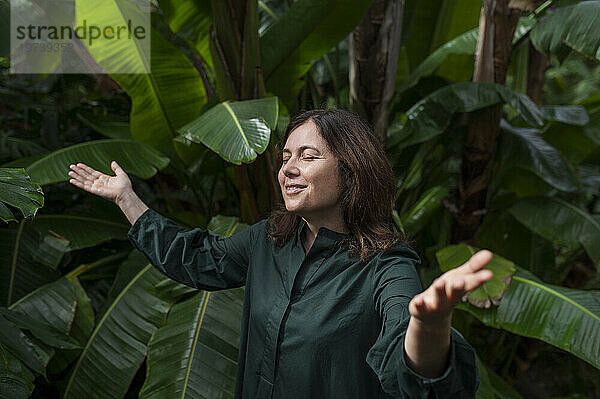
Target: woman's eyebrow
302,148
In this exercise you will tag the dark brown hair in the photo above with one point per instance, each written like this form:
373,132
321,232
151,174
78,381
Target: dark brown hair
366,179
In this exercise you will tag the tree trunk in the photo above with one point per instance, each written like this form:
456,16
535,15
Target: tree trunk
536,73
235,49
373,51
496,29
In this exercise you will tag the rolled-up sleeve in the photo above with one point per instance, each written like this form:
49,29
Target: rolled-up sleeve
396,282
197,257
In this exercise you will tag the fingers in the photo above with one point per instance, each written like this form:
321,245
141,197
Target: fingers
478,260
90,171
81,174
433,299
116,168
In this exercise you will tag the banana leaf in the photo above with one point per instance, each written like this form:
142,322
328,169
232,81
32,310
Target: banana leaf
190,20
307,31
137,158
17,189
432,115
17,380
563,317
556,219
577,143
64,305
575,27
43,331
81,231
423,210
54,303
110,126
27,261
158,107
16,342
195,353
238,130
504,235
526,149
465,43
118,344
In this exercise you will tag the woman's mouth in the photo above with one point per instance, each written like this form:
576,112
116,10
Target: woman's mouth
294,188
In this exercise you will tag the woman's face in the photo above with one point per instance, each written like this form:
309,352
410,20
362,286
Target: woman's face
310,166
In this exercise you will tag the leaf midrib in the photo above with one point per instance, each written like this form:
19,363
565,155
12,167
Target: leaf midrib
557,294
237,123
101,322
195,343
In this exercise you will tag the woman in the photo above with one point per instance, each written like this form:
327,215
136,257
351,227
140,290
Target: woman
333,306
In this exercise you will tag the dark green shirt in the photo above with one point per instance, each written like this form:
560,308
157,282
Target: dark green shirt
316,325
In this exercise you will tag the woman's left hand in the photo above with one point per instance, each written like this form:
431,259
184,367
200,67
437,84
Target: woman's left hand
434,305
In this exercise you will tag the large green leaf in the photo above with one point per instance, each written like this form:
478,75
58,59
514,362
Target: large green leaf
195,353
557,219
564,317
80,328
236,130
137,158
431,116
577,143
54,303
574,27
81,231
17,189
23,347
110,126
504,235
27,260
191,20
17,380
525,148
465,43
492,290
431,25
43,331
158,106
118,343
426,206
307,31
64,305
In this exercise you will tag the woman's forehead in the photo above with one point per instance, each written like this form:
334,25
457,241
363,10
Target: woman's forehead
305,136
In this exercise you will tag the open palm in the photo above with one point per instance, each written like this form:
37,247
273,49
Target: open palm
98,183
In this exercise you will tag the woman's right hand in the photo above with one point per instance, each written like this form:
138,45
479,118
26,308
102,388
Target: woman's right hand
113,188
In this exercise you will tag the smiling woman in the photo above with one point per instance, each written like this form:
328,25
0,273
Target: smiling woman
333,306
347,183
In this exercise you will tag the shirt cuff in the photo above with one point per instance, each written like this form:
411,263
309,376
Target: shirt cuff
146,216
450,383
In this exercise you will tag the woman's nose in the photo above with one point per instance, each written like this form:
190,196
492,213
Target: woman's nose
289,167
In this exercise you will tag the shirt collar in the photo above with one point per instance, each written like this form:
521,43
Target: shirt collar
323,232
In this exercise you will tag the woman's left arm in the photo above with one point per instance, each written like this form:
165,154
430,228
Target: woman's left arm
427,341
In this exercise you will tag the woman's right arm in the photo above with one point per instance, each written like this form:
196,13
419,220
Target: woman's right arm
198,257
